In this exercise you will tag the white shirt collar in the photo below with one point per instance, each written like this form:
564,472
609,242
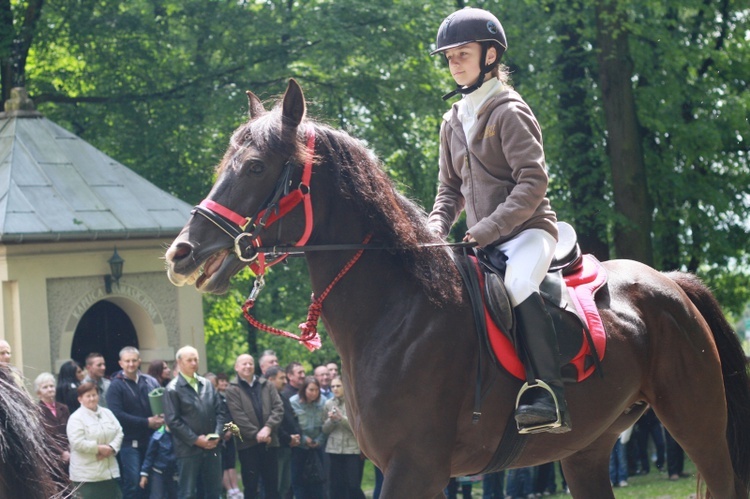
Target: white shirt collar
473,102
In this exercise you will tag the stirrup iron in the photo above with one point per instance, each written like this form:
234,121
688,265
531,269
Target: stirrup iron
544,427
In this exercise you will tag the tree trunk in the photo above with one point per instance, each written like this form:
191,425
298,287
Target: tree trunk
633,226
6,51
584,171
15,41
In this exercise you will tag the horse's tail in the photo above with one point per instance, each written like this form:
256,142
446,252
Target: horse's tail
733,368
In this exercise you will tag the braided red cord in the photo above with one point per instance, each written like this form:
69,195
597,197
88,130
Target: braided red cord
309,337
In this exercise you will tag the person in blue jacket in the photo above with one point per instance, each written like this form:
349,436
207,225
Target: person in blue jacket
127,398
160,466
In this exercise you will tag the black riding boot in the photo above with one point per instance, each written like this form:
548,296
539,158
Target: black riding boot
536,410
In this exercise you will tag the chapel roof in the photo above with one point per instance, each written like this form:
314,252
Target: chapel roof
55,186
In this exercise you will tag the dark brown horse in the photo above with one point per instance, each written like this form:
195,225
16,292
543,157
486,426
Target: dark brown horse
403,325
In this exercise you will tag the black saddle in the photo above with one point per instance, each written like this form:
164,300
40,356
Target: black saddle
568,324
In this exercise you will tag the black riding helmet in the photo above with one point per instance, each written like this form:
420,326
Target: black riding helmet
471,25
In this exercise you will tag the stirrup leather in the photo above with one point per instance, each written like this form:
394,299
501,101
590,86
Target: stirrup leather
544,427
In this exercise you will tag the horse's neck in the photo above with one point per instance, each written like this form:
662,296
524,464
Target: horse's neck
353,304
353,307
341,225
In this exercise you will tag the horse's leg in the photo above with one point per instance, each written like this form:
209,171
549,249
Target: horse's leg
414,477
688,398
693,410
587,471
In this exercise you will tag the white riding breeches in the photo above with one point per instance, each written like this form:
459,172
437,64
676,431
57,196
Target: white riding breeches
529,256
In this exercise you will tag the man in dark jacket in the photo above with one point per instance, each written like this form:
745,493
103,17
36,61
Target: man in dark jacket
289,433
256,408
127,398
295,377
195,415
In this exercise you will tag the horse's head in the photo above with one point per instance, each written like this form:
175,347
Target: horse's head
251,196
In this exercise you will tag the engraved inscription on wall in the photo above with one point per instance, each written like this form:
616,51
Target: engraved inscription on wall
69,298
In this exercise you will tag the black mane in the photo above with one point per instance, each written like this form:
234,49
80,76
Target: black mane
396,221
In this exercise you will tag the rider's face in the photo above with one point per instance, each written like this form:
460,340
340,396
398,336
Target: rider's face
463,62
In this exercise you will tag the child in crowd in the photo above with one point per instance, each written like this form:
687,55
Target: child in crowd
160,466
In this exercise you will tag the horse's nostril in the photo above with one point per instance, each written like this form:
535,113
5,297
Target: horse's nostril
179,251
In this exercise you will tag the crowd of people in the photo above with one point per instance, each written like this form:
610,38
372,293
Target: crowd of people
288,431
171,433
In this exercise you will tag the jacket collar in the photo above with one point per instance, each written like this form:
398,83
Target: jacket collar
507,94
258,379
181,381
121,375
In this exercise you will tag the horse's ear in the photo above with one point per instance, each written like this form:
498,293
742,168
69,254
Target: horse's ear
293,109
254,105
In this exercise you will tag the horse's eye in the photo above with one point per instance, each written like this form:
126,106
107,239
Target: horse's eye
253,166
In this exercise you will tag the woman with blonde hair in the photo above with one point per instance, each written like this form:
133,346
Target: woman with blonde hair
343,451
54,414
492,167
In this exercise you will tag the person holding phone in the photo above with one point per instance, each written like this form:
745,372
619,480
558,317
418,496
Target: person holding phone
308,477
195,415
347,466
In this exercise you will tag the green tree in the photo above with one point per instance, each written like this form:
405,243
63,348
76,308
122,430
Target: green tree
688,73
159,85
18,25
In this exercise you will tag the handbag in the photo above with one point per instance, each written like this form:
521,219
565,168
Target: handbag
312,471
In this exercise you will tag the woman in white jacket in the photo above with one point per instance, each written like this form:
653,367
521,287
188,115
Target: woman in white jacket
95,436
342,448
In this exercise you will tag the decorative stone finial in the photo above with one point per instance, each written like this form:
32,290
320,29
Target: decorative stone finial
19,103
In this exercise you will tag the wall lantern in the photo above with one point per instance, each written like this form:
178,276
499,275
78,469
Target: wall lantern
115,268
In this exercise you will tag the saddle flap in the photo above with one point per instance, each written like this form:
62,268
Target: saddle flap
498,302
570,302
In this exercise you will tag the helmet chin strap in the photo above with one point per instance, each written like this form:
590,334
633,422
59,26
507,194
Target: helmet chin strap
483,70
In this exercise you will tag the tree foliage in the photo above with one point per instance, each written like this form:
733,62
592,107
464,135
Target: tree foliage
159,85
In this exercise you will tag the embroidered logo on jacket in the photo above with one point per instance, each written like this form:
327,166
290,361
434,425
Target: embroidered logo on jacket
489,132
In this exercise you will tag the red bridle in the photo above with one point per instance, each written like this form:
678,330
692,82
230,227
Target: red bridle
236,226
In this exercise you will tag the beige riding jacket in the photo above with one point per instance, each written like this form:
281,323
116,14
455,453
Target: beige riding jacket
498,176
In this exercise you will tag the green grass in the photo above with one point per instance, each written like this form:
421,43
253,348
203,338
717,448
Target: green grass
655,485
368,478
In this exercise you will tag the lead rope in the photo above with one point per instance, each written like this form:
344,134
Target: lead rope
309,337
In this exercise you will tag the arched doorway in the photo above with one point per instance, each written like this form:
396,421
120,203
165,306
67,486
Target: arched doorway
104,328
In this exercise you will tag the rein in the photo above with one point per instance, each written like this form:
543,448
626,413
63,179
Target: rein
301,250
309,337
